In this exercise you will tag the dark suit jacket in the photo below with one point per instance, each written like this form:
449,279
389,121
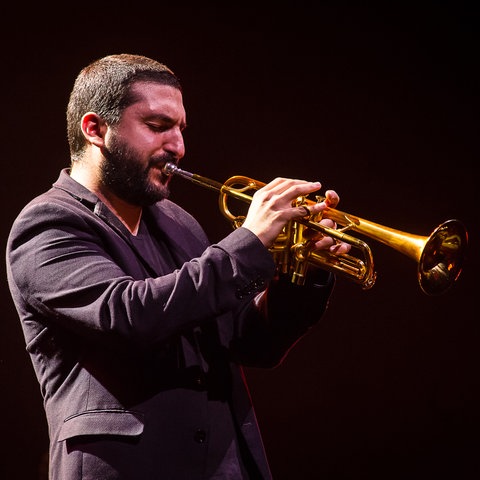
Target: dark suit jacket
140,370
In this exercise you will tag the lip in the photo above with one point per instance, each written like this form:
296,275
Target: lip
157,173
164,175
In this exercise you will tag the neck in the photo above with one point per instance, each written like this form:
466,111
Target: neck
129,215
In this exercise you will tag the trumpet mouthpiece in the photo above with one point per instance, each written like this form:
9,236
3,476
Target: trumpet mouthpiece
169,168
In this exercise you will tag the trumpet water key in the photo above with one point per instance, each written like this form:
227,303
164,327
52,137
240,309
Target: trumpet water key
439,256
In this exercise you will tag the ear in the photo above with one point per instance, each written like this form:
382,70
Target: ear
94,129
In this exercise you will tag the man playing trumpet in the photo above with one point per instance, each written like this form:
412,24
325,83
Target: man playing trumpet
136,325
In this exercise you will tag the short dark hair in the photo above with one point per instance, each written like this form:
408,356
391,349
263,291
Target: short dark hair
104,87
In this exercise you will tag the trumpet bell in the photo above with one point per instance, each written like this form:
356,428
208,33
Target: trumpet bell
442,257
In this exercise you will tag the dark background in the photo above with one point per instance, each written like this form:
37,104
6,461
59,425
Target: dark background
379,103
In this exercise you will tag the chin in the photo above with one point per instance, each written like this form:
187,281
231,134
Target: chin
163,191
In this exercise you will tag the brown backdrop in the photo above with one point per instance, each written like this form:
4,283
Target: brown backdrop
380,104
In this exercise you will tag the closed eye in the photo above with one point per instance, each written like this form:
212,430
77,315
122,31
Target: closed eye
155,127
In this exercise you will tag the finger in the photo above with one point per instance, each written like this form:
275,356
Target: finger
327,222
340,248
305,211
324,243
332,245
289,189
331,198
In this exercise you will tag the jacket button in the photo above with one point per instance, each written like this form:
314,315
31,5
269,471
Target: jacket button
200,436
200,380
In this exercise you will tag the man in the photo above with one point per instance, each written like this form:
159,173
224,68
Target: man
136,326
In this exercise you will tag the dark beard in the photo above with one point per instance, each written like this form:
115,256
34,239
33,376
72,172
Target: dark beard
123,174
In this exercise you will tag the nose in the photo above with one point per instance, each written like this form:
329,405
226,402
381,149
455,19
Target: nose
175,144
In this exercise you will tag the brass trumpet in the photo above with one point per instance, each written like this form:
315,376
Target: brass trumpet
439,256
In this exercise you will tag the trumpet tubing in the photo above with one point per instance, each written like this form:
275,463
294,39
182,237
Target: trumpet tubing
439,256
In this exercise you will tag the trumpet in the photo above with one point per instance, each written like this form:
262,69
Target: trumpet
439,256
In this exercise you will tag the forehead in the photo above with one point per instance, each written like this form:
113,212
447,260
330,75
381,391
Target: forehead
157,98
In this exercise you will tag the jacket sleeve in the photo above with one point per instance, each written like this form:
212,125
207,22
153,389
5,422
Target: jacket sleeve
65,264
270,326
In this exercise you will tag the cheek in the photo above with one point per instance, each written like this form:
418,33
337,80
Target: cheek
137,136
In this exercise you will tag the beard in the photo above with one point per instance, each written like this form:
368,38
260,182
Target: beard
124,174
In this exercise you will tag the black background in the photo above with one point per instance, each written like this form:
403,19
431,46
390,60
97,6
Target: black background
379,103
